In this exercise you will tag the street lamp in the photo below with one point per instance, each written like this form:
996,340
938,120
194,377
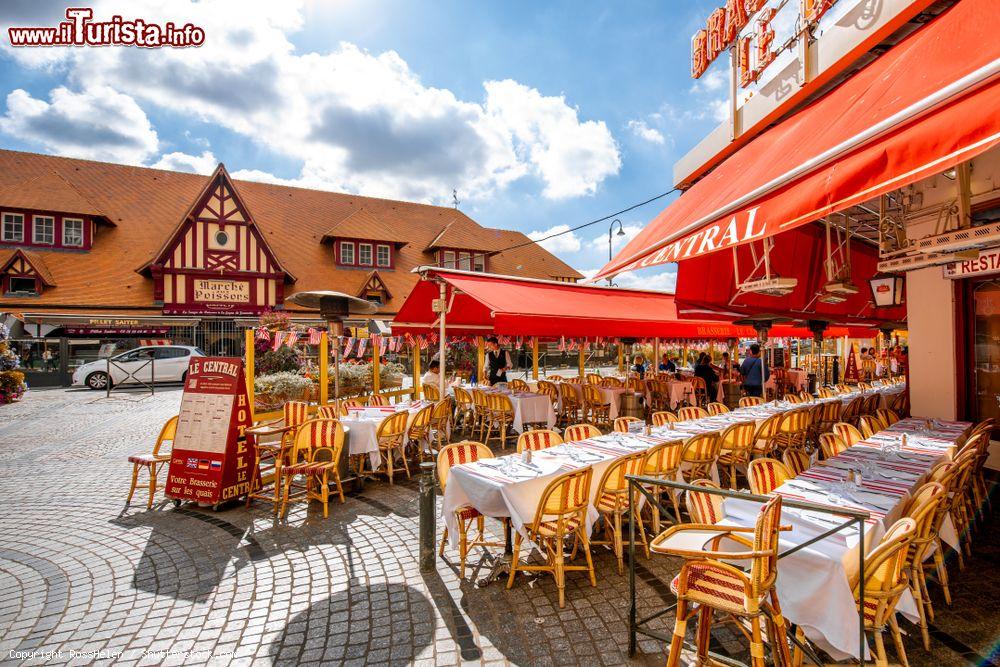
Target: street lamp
621,232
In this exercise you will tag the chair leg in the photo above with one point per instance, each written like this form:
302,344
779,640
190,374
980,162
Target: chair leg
898,641
680,629
135,479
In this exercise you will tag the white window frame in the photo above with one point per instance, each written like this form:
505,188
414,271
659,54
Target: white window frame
3,228
447,263
35,227
378,255
344,245
65,242
479,262
465,261
371,254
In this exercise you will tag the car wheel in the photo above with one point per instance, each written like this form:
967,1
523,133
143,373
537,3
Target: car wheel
98,380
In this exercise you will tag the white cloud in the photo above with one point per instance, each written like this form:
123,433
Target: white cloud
98,123
353,120
195,164
642,130
565,242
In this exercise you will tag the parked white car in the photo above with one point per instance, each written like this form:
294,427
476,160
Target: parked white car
169,364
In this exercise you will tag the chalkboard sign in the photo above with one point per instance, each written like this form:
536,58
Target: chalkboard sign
212,460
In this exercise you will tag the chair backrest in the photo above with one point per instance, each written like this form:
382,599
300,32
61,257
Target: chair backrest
392,428
167,433
664,459
318,439
613,480
329,412
517,384
689,412
565,496
702,448
737,439
580,432
764,567
766,474
621,423
717,408
431,391
796,460
704,507
663,418
868,425
848,433
295,413
536,440
885,577
748,401
377,401
458,453
831,444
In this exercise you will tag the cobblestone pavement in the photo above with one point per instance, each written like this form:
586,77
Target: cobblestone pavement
80,572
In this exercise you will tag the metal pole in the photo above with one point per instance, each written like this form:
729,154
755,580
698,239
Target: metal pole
428,516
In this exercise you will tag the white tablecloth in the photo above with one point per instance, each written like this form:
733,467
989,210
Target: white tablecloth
814,583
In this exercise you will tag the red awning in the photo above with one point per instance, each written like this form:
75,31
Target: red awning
926,105
484,304
706,287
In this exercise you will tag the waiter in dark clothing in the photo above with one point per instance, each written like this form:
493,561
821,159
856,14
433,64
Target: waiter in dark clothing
497,362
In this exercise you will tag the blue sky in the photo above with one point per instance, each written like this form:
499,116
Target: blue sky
541,115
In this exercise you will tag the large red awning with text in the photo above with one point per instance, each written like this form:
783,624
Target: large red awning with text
929,103
484,304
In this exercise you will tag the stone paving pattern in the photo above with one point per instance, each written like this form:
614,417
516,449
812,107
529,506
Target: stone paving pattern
80,572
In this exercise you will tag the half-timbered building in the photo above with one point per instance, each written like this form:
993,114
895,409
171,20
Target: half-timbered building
93,252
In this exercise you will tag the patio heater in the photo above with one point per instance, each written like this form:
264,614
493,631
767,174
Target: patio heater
334,307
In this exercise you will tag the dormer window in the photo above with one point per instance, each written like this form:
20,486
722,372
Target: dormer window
13,227
72,233
44,230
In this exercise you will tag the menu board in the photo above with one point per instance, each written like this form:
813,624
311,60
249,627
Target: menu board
212,460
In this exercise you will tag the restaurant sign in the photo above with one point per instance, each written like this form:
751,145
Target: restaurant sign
988,262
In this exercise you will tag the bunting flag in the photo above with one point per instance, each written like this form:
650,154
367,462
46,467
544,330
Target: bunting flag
315,336
279,339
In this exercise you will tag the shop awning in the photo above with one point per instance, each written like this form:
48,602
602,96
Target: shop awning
486,304
927,104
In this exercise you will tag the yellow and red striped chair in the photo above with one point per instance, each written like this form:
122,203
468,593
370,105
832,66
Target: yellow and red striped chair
315,456
765,475
153,461
578,432
537,440
453,455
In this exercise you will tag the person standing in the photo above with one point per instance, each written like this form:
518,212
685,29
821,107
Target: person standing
497,362
754,372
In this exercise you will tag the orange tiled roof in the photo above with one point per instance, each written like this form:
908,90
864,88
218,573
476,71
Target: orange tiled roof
362,225
146,205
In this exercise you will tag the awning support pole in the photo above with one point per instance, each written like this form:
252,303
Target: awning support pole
534,358
441,341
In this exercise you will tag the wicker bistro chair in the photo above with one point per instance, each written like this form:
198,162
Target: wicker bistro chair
766,436
153,461
596,411
578,432
613,501
538,440
315,456
796,460
765,475
501,417
700,455
663,418
621,423
570,406
704,508
561,514
750,401
452,455
431,392
717,408
869,425
737,445
689,412
663,461
392,439
708,582
848,433
885,580
465,410
831,444
923,509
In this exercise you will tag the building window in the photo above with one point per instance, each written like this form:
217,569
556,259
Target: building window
365,254
72,232
383,256
21,286
13,227
479,263
448,259
347,252
44,230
